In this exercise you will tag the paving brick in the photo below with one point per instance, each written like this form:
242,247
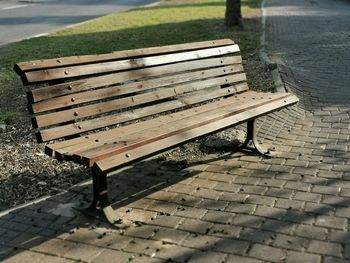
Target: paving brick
26,241
144,231
330,174
289,204
241,171
250,189
162,196
345,192
142,246
280,168
347,251
226,231
325,248
83,252
288,176
217,169
207,193
55,247
248,220
232,246
305,171
277,226
203,183
297,186
290,242
187,200
255,235
331,222
170,235
107,239
315,180
311,232
245,259
329,190
190,212
339,236
329,259
320,165
207,256
305,196
271,182
195,226
258,166
260,200
183,189
269,212
166,221
336,200
218,216
175,253
295,163
30,256
266,253
233,197
226,187
343,212
297,257
246,180
240,208
143,215
319,208
278,192
212,204
201,241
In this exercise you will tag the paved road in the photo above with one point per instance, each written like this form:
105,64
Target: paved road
26,18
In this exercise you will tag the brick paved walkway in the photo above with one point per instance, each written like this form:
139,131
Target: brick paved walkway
238,208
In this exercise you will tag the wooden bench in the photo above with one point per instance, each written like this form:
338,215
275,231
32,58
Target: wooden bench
176,93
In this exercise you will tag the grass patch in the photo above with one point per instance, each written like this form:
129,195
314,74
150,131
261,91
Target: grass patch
9,117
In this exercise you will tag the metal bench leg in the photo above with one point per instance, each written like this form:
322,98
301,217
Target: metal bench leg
252,138
100,198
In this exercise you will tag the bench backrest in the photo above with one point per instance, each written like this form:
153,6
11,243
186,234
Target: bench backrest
128,85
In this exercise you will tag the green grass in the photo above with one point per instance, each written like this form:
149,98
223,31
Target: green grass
9,117
175,21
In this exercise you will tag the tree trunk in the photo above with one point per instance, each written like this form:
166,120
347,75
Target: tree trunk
233,15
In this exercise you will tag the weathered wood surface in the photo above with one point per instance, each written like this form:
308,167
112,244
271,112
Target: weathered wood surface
125,64
85,59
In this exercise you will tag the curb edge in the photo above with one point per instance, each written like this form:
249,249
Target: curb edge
273,66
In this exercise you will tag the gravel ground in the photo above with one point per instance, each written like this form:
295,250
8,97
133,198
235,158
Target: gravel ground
26,173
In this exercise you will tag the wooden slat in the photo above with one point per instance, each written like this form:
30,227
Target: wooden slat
112,119
120,134
90,110
106,67
196,97
85,59
170,126
161,143
173,125
109,92
123,133
120,77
